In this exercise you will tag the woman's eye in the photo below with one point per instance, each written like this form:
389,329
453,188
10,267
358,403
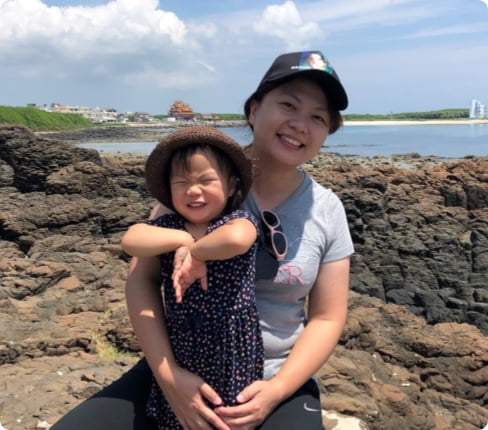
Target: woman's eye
321,119
288,105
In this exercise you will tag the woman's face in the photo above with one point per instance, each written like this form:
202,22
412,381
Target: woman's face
291,123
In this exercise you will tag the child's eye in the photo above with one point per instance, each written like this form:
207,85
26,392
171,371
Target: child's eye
208,180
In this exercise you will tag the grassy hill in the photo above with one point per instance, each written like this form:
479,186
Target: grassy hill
39,120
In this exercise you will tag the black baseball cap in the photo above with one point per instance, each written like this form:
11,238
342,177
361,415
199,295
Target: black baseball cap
312,64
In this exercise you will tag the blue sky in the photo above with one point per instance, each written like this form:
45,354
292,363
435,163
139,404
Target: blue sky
141,55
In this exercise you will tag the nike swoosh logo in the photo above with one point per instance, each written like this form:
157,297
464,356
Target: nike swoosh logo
310,409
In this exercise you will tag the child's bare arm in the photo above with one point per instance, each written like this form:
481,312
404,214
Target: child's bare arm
233,238
144,240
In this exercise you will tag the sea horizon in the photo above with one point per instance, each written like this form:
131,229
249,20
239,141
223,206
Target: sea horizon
451,140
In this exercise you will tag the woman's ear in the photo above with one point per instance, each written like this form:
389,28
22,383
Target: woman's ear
253,105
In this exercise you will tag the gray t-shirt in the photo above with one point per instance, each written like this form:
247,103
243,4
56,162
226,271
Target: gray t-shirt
314,222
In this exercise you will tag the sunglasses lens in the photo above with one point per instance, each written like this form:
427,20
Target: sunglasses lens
270,218
280,243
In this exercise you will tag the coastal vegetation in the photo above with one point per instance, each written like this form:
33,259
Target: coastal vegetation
39,120
447,114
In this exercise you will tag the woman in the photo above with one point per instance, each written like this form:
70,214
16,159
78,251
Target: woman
305,254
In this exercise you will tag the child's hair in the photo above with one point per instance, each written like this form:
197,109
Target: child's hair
181,156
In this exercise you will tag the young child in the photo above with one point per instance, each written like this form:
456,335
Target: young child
203,176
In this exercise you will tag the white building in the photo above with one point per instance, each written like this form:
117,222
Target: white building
96,115
477,110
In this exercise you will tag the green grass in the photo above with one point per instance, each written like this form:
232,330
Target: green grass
104,349
39,120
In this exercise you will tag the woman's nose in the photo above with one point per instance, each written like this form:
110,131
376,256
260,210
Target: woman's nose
298,123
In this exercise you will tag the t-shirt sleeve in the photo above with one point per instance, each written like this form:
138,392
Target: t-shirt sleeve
339,241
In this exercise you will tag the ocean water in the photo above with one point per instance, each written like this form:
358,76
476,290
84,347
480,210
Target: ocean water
449,141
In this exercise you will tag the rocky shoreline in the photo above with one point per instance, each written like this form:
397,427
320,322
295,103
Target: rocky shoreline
414,353
144,133
130,133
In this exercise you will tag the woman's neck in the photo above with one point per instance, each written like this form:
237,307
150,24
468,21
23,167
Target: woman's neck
271,187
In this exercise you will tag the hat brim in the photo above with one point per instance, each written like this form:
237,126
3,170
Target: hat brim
157,162
333,89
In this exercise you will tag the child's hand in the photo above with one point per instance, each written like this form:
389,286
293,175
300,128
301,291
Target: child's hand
186,271
180,254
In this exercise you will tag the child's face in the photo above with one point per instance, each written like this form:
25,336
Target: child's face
200,193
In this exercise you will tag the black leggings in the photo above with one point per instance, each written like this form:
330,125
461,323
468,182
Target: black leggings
122,406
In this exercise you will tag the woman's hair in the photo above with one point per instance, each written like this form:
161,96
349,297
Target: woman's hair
260,93
181,156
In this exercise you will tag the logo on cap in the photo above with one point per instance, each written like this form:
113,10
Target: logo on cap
313,60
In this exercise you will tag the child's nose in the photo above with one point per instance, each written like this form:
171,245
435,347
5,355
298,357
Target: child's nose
193,189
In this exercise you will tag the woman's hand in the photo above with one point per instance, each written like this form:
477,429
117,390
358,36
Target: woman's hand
257,401
186,270
185,393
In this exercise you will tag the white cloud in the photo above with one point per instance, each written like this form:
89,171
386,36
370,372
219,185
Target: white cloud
118,21
485,2
54,38
284,22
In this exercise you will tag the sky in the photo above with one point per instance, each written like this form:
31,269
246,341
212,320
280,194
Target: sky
142,55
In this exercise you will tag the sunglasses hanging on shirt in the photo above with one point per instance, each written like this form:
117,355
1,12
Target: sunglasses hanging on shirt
275,240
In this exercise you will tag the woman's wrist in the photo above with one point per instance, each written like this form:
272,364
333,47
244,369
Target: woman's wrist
282,389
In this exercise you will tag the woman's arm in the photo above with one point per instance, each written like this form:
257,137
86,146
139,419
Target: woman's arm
327,313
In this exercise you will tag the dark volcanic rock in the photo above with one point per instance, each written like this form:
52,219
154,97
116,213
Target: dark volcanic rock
32,159
416,244
411,357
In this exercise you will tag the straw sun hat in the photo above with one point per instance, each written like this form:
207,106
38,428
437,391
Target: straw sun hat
156,170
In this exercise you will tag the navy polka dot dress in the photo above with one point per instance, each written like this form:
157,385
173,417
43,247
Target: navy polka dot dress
215,333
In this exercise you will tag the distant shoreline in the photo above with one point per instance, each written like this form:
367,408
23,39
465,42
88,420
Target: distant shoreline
417,122
238,123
